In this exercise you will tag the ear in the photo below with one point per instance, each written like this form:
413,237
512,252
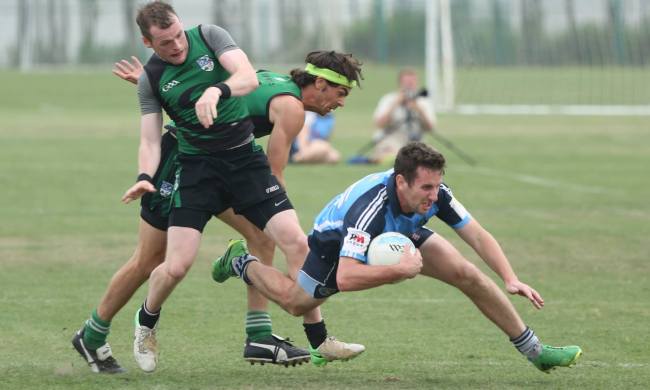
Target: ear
320,84
146,42
400,181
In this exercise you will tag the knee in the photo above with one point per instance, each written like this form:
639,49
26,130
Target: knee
295,244
296,310
176,270
468,275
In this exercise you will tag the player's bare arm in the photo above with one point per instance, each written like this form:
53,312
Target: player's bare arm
288,116
353,275
148,155
242,81
487,247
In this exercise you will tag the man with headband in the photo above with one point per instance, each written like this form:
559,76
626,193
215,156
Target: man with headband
276,107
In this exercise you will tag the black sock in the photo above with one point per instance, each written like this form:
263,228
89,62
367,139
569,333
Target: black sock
147,318
316,333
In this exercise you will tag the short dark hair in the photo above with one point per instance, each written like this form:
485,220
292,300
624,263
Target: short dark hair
344,64
414,155
156,13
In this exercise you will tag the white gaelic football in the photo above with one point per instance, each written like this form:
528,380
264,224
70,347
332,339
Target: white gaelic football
386,248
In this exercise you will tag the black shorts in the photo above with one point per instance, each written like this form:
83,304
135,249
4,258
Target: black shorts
318,275
239,178
155,206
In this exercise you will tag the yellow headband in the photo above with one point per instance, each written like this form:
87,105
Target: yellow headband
329,75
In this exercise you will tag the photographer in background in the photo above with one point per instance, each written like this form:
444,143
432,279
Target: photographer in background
401,116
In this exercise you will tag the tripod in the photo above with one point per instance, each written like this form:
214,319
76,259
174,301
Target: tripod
414,135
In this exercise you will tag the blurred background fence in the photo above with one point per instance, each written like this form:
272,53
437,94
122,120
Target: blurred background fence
504,53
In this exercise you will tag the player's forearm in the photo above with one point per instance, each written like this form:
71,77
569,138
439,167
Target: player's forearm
491,252
242,82
148,158
362,277
278,158
150,140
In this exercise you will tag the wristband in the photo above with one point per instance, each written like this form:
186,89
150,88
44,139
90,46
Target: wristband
224,88
144,176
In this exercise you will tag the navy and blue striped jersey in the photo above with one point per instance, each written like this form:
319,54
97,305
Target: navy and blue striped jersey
370,207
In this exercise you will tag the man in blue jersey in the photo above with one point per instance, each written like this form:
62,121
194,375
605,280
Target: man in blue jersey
402,200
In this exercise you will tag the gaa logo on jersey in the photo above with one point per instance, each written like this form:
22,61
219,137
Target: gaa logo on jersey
166,189
205,63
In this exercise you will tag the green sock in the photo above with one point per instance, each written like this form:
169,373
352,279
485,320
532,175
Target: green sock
95,331
258,325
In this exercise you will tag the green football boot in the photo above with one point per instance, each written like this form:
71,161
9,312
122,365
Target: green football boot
552,357
223,268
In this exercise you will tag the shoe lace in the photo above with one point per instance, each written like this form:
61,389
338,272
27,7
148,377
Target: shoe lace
288,344
146,340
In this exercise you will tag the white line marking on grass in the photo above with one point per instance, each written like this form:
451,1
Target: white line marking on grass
595,363
537,180
394,300
580,364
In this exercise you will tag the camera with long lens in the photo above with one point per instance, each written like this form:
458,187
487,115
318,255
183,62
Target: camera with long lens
412,94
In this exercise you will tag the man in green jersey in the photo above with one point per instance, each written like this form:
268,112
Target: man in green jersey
282,93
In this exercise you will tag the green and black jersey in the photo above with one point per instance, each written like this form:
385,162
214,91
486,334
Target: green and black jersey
178,87
258,102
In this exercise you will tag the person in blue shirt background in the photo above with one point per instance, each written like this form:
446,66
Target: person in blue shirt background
312,145
402,200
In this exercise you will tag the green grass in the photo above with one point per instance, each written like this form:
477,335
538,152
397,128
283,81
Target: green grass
553,85
566,197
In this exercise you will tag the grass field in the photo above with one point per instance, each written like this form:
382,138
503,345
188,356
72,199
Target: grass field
566,196
553,85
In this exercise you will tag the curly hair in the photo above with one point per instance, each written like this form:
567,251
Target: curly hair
344,64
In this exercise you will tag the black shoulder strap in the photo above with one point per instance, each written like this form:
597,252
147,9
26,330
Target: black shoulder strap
154,69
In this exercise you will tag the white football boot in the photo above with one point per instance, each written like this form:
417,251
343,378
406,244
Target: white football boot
145,346
333,349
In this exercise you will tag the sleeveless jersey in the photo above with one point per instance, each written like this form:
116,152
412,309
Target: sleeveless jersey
258,102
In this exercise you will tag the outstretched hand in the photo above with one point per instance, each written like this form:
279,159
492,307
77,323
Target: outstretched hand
137,190
525,290
129,71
